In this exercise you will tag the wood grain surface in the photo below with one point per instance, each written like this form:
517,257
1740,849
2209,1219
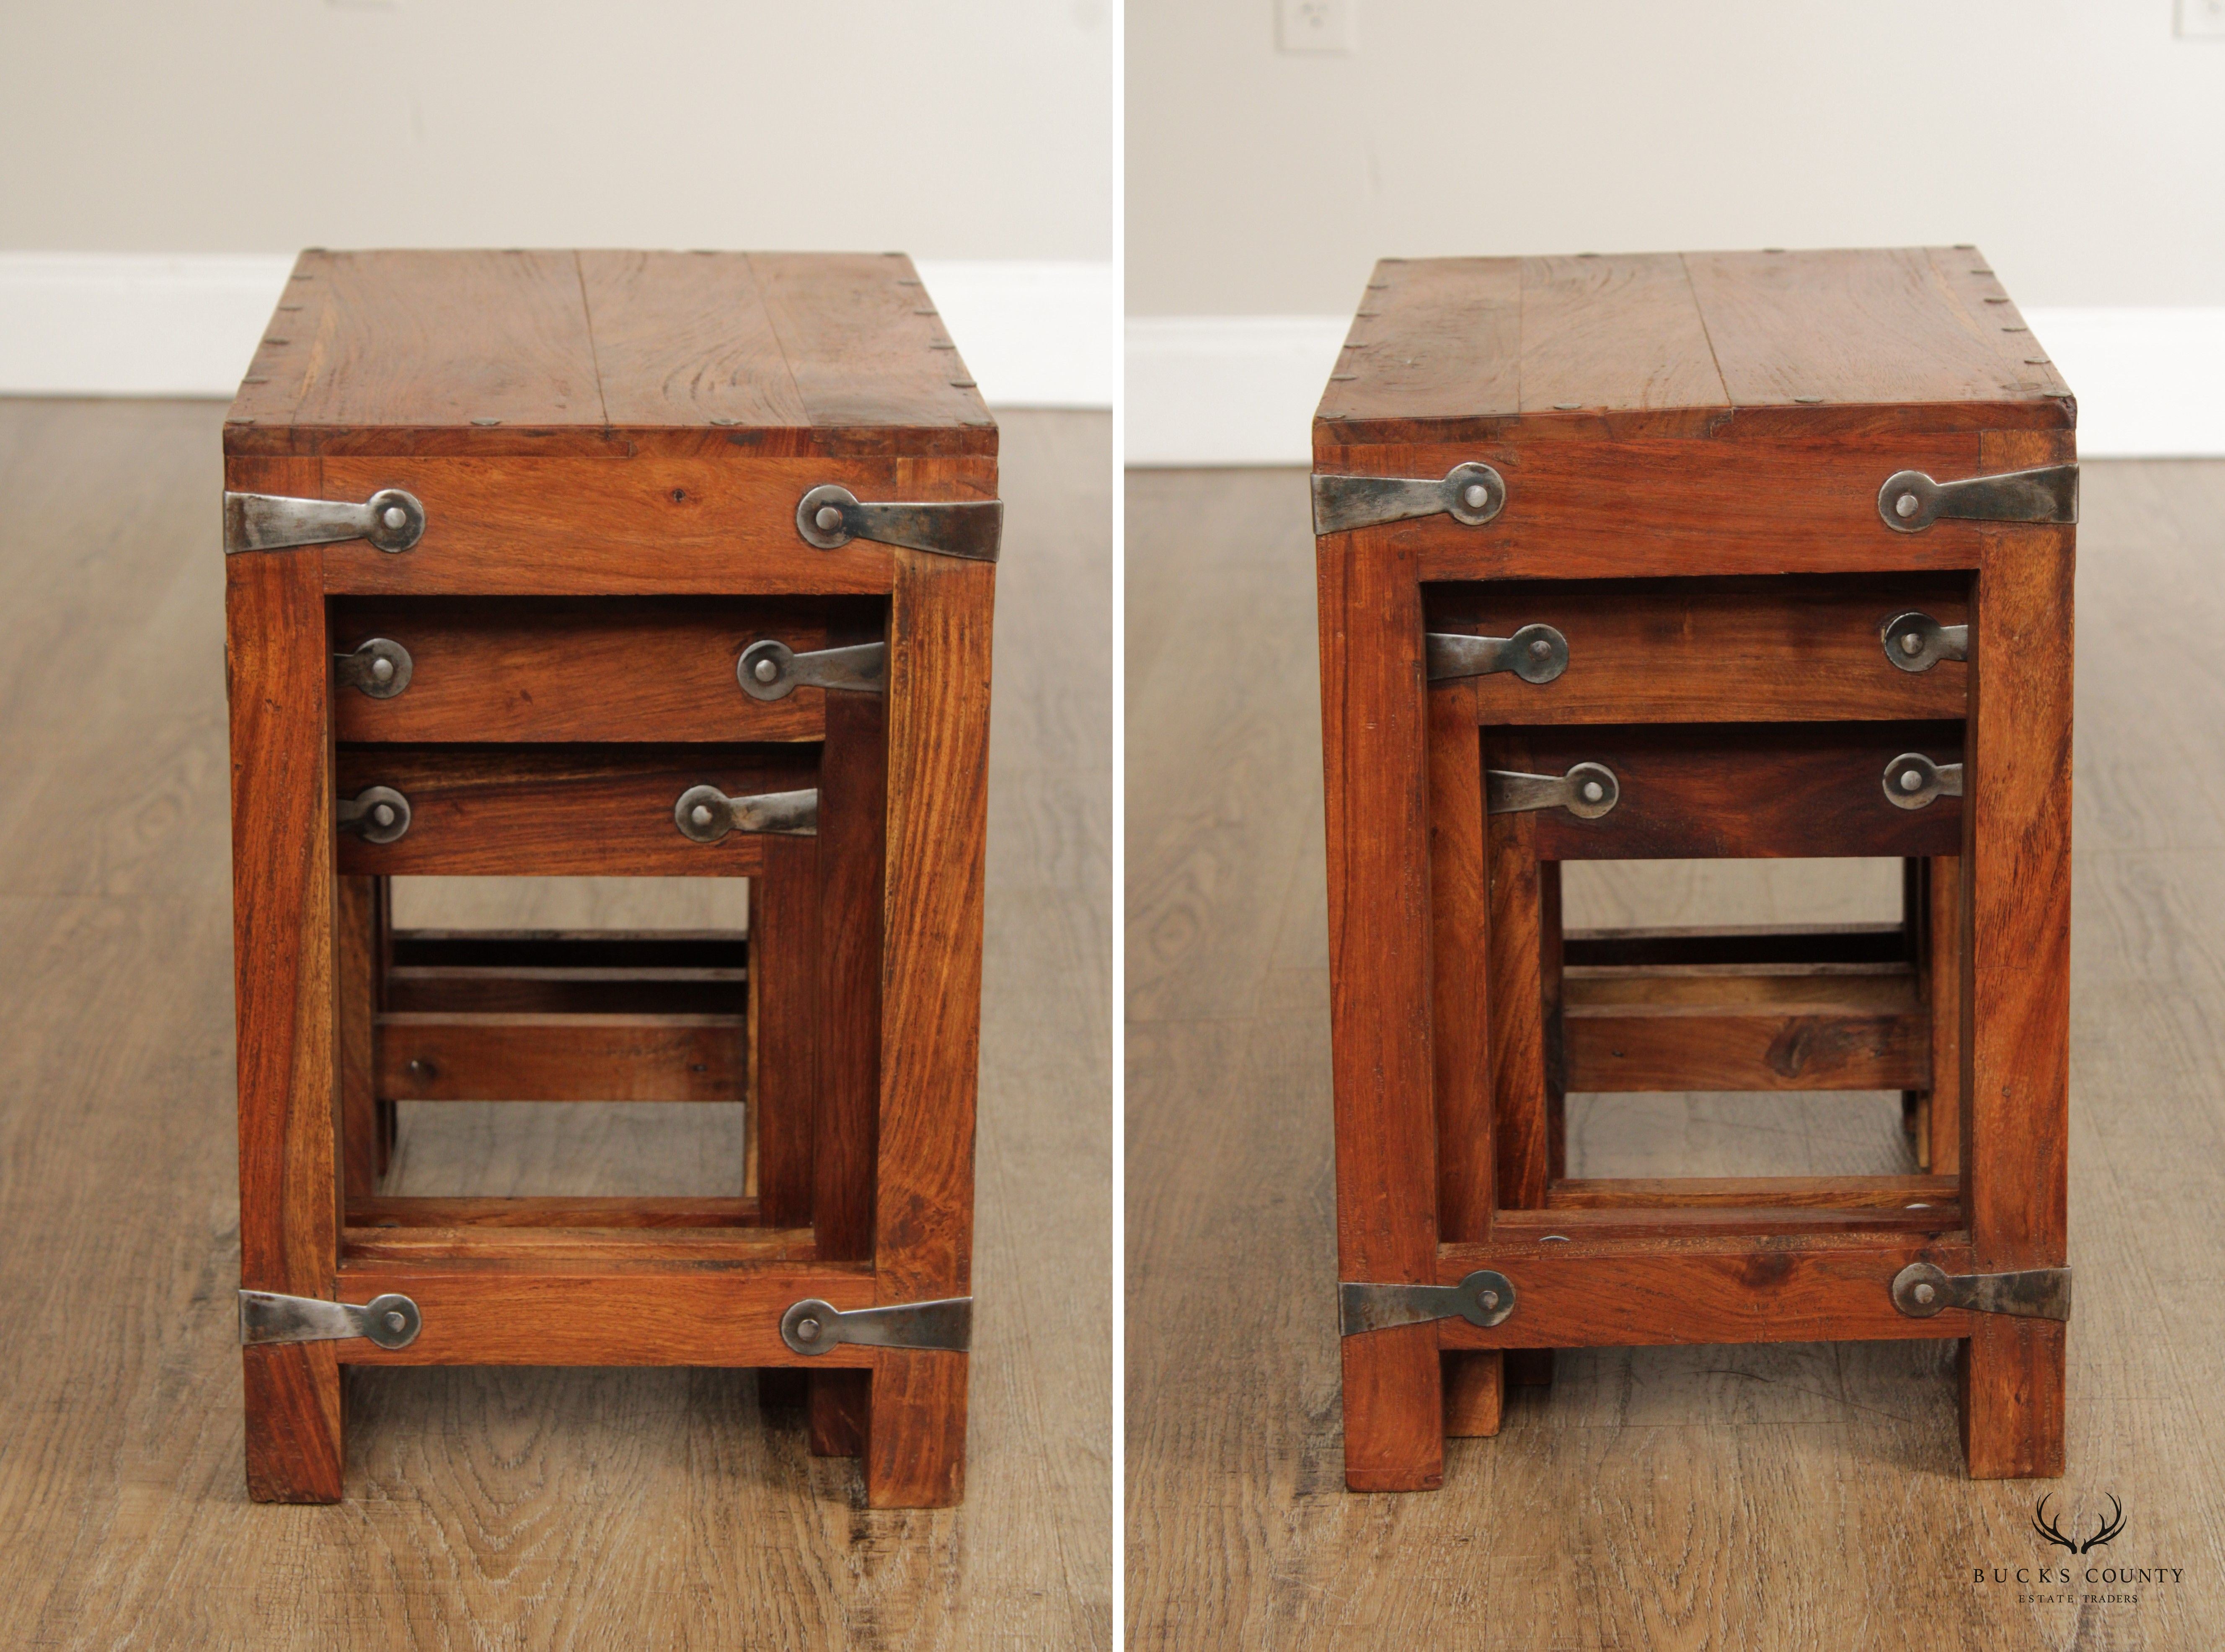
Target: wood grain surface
505,1507
1700,343
1788,1495
605,352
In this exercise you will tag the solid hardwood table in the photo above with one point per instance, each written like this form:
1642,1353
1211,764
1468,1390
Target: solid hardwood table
613,563
1711,555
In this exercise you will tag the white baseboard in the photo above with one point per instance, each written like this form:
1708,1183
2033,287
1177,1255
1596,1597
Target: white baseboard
1207,390
1033,334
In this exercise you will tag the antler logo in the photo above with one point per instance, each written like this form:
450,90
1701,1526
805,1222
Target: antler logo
2051,1531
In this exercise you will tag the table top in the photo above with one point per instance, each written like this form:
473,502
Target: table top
607,352
1707,344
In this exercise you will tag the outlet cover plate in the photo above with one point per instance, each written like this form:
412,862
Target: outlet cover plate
1317,25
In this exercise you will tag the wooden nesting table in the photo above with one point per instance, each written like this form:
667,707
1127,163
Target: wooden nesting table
1734,554
613,563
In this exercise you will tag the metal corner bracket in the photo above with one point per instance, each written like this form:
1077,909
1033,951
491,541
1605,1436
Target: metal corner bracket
391,520
1587,791
1921,1290
1911,502
772,670
829,516
813,1326
704,814
1912,780
391,1321
1471,494
1536,654
1485,1298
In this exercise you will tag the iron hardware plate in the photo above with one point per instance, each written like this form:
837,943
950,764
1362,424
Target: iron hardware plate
391,1321
1915,641
379,668
1472,493
771,670
1912,780
1535,653
704,814
1921,1290
1587,791
1911,502
1485,1298
812,1326
391,520
830,517
376,814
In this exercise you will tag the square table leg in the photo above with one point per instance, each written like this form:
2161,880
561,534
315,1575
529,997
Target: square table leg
279,672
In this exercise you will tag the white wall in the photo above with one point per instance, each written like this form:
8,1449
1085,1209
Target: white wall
187,144
2078,143
2076,140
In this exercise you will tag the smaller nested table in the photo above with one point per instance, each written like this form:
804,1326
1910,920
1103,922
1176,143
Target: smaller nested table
1736,555
616,564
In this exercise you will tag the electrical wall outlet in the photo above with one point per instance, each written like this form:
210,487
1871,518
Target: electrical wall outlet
2202,19
1317,25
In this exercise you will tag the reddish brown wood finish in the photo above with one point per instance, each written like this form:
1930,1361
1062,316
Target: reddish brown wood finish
940,620
1376,784
611,670
509,1057
630,430
1801,650
853,848
283,896
1693,448
1740,789
2016,1144
1459,908
561,811
356,994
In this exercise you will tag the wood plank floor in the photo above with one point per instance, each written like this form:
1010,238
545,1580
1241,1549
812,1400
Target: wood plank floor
1738,1497
508,1507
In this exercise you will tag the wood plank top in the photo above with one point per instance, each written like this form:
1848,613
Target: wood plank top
606,353
1701,344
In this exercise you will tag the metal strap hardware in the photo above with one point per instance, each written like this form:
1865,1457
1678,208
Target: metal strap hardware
771,670
1587,791
1916,641
391,520
812,1326
391,1321
379,668
1535,653
1912,780
1484,1298
1472,493
1920,1290
830,517
704,814
376,814
1911,502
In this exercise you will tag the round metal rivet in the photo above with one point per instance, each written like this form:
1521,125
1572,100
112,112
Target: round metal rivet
765,671
828,519
381,671
1924,1293
1906,505
394,1321
1911,642
1476,495
394,516
701,815
806,1330
1491,1299
418,1067
1911,781
384,813
1540,649
1593,791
